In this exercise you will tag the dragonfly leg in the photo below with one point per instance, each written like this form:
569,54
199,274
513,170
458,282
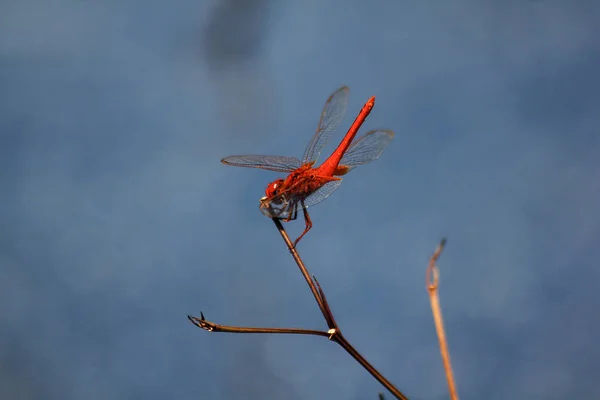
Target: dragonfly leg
308,222
293,214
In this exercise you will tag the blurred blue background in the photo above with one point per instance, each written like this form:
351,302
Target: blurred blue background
118,219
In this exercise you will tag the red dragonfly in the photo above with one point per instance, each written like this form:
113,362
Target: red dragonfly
306,185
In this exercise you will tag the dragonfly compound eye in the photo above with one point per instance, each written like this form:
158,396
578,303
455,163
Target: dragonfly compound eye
273,188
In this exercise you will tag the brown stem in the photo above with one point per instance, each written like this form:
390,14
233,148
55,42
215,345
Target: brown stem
333,334
342,341
334,330
304,271
432,279
212,327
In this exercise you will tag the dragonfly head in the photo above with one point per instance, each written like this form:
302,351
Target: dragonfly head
273,188
273,204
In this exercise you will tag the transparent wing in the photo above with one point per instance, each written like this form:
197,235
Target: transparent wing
332,115
366,148
322,193
272,163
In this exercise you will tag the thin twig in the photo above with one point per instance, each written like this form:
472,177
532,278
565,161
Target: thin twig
342,341
335,332
212,327
303,269
329,319
432,279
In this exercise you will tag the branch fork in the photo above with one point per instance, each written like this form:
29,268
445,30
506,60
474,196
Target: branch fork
334,332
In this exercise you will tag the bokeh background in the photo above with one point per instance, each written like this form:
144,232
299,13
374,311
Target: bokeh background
118,220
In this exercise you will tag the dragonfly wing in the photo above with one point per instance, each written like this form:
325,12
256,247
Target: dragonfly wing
366,148
322,193
272,163
332,115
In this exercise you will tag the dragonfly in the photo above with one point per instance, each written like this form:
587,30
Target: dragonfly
305,184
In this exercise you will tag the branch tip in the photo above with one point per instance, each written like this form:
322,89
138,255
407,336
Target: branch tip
202,323
438,250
